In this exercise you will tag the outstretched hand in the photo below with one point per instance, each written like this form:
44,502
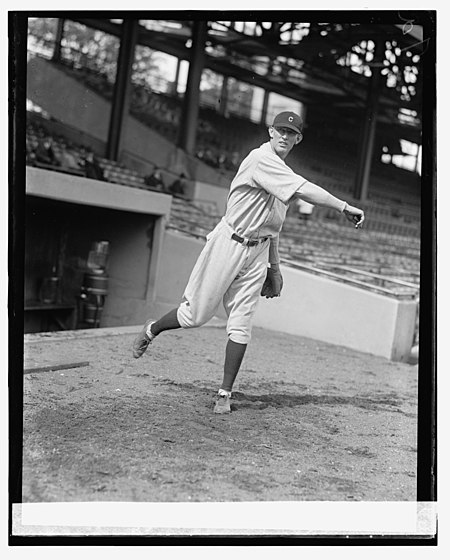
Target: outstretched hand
273,283
355,215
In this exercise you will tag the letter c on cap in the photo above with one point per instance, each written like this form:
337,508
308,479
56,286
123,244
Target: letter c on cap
290,119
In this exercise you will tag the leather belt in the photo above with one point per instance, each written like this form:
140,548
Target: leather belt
249,242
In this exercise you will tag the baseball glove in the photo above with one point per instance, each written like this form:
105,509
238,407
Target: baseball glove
273,284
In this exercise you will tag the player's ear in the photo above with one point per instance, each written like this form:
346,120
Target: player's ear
270,129
298,139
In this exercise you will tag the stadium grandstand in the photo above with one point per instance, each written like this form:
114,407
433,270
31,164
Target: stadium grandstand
110,101
126,130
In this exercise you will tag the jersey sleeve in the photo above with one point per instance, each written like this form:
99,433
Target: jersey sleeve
318,196
276,178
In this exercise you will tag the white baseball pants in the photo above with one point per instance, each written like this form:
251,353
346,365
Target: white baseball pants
225,272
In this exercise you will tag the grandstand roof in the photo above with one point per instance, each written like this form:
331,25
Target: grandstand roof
323,64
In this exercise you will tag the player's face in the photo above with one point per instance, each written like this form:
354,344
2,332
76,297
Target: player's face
283,140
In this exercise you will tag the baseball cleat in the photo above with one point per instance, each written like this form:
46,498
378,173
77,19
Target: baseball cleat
222,405
143,339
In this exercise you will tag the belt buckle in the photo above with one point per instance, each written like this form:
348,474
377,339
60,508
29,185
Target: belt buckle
248,242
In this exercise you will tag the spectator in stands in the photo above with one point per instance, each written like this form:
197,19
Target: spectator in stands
240,261
209,158
155,180
30,154
68,160
305,210
92,167
170,116
178,187
222,161
234,160
45,153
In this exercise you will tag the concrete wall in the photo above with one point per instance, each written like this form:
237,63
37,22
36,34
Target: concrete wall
70,102
310,306
178,258
334,312
66,99
205,192
90,192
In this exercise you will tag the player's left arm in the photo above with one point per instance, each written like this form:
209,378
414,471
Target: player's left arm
274,255
320,197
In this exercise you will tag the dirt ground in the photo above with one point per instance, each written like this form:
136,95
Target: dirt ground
309,421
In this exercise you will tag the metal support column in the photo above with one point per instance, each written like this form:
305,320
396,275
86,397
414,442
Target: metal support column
223,109
58,38
361,187
174,87
264,107
188,124
120,103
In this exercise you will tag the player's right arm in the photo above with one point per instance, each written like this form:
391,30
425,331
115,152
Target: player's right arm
275,177
320,197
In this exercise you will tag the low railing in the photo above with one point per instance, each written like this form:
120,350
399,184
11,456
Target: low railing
412,293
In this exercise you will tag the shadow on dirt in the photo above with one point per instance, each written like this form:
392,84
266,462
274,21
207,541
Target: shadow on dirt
241,400
282,400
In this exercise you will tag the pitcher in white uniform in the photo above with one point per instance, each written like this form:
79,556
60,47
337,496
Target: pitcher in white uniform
240,261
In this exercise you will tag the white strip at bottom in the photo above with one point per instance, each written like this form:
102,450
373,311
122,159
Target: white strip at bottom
237,518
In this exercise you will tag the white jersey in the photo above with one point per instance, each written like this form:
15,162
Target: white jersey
260,193
231,272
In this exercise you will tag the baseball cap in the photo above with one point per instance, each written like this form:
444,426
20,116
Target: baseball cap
290,120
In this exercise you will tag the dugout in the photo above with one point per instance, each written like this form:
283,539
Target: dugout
65,214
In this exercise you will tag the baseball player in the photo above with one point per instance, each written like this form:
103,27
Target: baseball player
240,260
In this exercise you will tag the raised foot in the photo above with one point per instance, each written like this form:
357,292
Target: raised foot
142,341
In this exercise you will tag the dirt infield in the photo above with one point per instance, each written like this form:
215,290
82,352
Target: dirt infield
310,421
